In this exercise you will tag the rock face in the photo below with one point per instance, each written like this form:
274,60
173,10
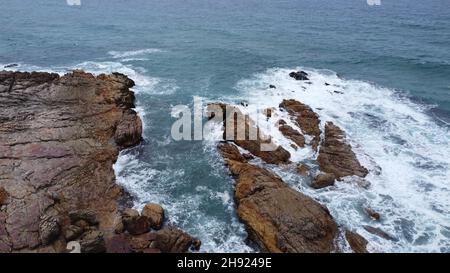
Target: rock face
278,218
336,156
305,118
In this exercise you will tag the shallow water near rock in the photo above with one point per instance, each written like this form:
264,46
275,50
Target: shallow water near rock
391,97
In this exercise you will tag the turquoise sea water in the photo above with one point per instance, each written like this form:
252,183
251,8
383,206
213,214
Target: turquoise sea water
394,61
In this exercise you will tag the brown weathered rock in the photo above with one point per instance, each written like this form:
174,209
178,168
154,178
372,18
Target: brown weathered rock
380,233
336,156
372,214
3,196
323,180
92,242
88,216
154,214
278,218
57,146
173,240
305,118
292,134
303,169
356,242
134,223
239,132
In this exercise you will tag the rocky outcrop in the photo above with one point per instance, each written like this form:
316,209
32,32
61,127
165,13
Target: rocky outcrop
336,156
323,180
305,118
59,137
155,215
278,218
291,134
299,75
239,133
357,243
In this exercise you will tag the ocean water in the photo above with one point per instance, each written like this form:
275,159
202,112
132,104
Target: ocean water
391,63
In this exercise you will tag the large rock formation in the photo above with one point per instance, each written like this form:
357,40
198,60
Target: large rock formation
278,218
59,137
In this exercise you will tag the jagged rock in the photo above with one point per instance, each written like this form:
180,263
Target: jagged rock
154,214
173,240
134,223
357,243
86,215
278,218
129,130
372,214
305,118
299,75
336,156
260,145
230,151
303,169
72,232
291,134
3,196
380,233
92,242
323,180
49,229
57,147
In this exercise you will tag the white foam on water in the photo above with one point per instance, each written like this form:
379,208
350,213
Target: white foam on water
390,135
133,53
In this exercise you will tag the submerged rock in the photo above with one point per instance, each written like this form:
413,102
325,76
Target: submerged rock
380,233
291,134
372,214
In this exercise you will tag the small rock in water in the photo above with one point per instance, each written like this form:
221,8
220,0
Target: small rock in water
299,75
338,92
272,86
372,214
380,233
244,103
11,65
327,84
134,223
323,180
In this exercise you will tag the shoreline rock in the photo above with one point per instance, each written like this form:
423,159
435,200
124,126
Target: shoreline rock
59,138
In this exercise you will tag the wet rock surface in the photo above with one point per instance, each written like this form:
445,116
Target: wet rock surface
278,218
336,156
59,137
357,243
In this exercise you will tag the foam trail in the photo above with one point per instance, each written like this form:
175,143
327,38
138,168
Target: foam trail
406,151
133,53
